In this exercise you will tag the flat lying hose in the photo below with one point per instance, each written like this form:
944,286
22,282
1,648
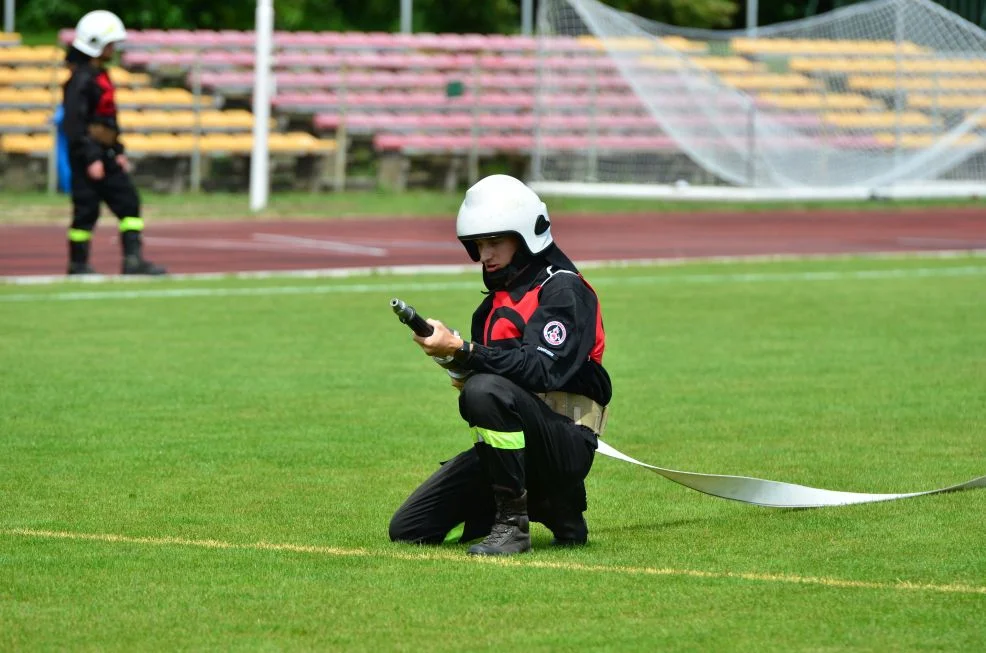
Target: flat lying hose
774,494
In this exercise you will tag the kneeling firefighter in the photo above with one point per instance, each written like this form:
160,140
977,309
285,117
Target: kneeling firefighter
532,386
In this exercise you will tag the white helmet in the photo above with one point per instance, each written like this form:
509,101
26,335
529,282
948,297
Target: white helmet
501,204
96,30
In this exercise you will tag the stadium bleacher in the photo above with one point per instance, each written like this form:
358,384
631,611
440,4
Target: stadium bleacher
449,94
159,122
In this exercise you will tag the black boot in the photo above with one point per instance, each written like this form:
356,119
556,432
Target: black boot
511,532
78,258
133,257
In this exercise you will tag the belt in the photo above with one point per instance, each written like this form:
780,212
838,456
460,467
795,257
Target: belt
105,136
578,408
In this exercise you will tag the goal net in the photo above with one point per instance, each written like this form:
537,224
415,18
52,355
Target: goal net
887,96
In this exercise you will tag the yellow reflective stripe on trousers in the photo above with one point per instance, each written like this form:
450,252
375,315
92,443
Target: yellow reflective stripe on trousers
132,224
499,439
79,235
456,533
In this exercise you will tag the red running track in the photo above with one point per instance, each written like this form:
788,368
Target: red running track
190,247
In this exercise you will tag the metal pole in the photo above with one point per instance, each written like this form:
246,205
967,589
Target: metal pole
342,135
752,12
8,15
407,9
826,140
751,154
526,17
538,113
259,161
898,80
197,128
53,130
473,171
593,172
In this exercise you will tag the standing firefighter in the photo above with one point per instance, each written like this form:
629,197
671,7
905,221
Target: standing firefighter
100,169
536,390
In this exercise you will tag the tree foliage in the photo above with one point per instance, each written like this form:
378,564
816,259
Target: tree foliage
487,16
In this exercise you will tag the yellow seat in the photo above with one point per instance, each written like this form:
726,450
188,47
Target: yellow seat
619,44
235,119
33,76
24,120
226,143
661,63
38,55
158,144
960,102
155,98
681,44
301,143
231,120
877,119
34,144
854,48
925,140
28,97
176,96
889,83
769,81
149,120
728,64
841,65
819,101
183,120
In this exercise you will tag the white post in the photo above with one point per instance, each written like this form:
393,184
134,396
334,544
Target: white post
526,17
593,163
751,144
752,14
260,162
473,171
539,98
898,80
196,171
406,11
8,16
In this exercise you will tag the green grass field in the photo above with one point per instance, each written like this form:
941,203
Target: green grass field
196,465
21,207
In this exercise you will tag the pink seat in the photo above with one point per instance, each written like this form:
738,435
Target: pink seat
507,143
235,39
507,121
135,59
562,142
151,38
388,142
220,59
429,41
305,60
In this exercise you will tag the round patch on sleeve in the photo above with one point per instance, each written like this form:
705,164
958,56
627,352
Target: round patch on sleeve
554,333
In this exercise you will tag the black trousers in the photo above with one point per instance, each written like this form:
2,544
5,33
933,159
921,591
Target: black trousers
116,189
552,467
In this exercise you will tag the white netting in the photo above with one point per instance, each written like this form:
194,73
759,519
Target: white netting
889,92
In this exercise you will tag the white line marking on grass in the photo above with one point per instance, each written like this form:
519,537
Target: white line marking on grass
399,270
517,562
394,288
